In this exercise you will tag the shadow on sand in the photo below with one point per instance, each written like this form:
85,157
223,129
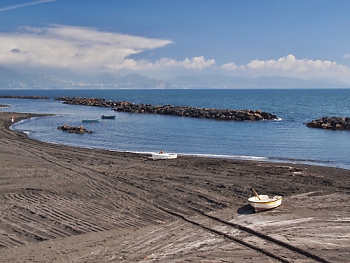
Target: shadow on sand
246,210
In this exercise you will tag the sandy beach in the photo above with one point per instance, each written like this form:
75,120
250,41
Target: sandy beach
68,204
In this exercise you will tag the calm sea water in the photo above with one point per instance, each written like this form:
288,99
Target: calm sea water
287,139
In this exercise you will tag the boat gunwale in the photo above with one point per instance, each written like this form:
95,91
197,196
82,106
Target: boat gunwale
269,200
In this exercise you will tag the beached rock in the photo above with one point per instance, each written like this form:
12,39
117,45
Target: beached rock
183,111
333,123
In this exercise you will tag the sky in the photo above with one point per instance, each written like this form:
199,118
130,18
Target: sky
166,38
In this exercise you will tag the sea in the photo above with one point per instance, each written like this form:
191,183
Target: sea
287,139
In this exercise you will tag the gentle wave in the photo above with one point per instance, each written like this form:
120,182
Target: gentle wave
224,156
220,156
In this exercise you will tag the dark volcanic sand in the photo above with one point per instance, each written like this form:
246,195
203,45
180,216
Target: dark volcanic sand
67,204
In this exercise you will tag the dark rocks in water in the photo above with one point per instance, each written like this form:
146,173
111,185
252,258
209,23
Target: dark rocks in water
332,123
74,129
24,97
184,111
86,101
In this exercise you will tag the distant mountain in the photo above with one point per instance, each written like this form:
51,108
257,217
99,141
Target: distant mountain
10,79
106,77
138,81
225,81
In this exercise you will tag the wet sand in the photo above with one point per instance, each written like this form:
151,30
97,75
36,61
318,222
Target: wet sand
68,204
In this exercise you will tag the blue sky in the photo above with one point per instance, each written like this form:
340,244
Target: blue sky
166,38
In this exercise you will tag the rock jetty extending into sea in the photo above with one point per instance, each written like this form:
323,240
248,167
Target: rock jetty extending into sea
185,111
332,123
24,97
74,129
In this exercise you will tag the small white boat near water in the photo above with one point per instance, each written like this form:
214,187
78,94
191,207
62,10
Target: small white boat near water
163,156
264,202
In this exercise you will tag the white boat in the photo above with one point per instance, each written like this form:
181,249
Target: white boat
163,156
264,202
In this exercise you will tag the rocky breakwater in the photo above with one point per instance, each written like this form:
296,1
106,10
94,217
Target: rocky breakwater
333,123
24,97
185,111
96,102
74,129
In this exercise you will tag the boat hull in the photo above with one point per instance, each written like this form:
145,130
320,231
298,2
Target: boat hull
163,156
107,117
265,202
90,120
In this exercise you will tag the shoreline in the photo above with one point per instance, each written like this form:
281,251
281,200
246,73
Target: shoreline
330,164
68,204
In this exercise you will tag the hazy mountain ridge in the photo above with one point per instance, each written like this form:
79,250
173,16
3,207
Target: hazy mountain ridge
225,81
10,79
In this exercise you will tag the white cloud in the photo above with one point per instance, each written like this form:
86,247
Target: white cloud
87,49
73,48
346,56
229,66
80,48
197,63
290,66
23,5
